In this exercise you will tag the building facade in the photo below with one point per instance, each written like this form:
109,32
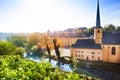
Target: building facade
103,47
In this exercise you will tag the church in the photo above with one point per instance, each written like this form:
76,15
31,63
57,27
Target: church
103,47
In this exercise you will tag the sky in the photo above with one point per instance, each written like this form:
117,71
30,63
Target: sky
54,15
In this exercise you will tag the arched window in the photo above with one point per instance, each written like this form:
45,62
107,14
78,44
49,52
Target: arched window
113,50
98,31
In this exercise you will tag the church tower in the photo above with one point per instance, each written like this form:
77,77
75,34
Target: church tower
98,29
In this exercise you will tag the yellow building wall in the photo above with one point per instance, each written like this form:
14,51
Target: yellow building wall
107,54
67,42
87,54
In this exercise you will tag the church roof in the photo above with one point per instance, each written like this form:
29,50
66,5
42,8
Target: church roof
98,25
86,43
112,38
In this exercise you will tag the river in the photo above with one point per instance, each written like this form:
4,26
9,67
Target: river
97,73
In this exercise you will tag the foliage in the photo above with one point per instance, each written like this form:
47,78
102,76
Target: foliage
19,41
56,47
34,48
47,43
20,51
15,68
34,39
111,28
6,48
118,28
91,30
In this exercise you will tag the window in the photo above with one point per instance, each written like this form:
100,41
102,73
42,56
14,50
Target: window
87,58
113,51
92,53
75,55
98,31
92,57
81,51
75,51
98,58
82,56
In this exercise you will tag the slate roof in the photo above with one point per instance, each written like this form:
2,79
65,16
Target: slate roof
86,43
112,38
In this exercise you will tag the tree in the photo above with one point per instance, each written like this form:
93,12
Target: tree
109,28
34,39
34,48
47,43
91,30
6,48
19,51
57,44
118,28
19,41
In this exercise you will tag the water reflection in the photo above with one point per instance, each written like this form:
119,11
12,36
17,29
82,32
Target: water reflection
98,73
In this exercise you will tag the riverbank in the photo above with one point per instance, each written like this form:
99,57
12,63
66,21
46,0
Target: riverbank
92,64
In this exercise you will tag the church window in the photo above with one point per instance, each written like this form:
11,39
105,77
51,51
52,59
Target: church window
98,31
113,51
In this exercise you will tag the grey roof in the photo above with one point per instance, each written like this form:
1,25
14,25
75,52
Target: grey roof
112,38
86,43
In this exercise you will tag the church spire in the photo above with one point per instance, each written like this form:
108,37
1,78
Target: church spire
98,25
98,29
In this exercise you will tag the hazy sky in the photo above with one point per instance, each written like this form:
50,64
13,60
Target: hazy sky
41,15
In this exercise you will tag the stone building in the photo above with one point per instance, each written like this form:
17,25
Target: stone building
103,47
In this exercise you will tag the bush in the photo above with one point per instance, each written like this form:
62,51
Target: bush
15,68
20,51
34,48
6,48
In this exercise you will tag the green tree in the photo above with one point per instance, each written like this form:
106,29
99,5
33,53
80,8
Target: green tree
6,48
118,28
91,30
19,51
109,28
34,48
19,41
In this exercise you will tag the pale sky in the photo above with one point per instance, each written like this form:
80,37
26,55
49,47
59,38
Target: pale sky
54,15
